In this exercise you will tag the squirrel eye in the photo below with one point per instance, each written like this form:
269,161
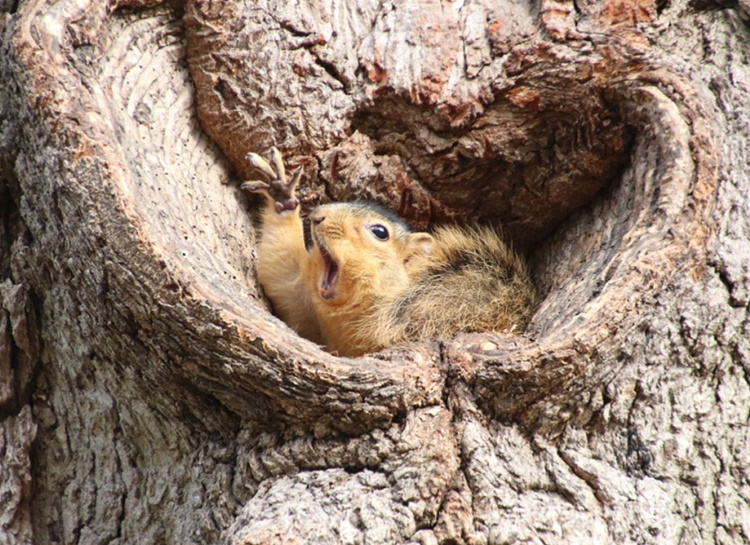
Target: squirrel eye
380,232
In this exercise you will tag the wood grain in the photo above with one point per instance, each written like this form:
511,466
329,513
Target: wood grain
148,395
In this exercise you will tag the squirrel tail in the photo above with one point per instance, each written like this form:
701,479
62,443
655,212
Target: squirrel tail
474,282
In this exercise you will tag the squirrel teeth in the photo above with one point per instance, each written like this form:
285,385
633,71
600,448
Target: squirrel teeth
330,275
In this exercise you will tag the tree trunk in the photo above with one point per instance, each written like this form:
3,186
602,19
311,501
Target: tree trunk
147,395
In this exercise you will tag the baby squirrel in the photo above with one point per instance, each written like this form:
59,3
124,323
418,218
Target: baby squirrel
369,282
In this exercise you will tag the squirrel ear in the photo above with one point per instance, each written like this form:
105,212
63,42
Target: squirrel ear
420,243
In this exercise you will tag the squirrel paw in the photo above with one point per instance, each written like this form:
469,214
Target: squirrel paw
278,189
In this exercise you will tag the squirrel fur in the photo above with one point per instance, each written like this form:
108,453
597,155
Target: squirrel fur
369,282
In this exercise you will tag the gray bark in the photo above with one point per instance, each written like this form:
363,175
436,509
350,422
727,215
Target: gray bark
147,395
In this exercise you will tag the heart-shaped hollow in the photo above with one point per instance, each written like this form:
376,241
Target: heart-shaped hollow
552,143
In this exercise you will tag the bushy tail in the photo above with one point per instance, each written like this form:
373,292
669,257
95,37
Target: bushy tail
474,283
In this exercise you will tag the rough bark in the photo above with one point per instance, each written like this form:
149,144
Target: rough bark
148,396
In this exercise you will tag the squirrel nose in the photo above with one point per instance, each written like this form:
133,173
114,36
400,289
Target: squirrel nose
317,218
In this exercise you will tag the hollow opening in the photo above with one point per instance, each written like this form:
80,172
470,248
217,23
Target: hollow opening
559,181
533,138
539,150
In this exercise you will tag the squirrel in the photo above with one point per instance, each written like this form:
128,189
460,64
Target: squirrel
368,282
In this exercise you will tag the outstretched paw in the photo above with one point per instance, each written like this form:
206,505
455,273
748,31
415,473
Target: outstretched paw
278,188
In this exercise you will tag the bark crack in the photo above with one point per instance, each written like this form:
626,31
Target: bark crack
724,276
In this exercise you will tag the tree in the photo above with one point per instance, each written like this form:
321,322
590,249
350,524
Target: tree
147,395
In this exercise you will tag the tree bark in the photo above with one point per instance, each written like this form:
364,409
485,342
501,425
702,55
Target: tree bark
147,395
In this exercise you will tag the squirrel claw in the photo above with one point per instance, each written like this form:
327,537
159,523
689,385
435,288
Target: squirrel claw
296,175
261,164
278,189
278,162
255,186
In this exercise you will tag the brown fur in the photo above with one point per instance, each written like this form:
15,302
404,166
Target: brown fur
412,286
473,282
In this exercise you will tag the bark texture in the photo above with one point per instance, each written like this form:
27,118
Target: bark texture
148,396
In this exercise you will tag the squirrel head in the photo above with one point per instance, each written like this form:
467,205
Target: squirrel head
361,252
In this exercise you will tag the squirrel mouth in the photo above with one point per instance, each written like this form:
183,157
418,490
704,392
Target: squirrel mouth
330,274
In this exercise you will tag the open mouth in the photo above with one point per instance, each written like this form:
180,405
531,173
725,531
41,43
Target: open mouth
330,274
